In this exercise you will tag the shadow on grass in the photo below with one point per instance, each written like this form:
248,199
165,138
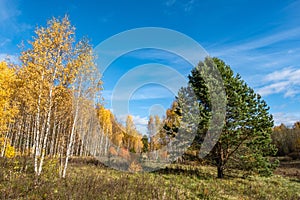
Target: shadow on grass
86,161
186,171
295,180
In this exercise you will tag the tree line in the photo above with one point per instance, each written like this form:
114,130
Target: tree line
287,140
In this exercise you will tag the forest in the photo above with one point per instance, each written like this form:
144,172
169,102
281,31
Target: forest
58,141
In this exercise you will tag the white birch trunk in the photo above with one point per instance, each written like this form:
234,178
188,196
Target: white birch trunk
73,129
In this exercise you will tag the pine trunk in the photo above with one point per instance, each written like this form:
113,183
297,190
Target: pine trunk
220,171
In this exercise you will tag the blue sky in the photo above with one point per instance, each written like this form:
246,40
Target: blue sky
258,39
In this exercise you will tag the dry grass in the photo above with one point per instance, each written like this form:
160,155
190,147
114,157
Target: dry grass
289,168
87,180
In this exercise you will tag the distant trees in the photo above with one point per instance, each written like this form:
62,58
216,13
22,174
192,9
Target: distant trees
132,139
154,129
287,140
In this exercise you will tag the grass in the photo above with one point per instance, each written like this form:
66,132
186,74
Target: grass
89,181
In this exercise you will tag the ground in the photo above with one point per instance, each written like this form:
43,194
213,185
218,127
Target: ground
91,180
289,169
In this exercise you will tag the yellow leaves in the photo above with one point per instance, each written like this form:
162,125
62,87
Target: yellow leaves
48,65
130,128
7,88
105,121
134,139
9,151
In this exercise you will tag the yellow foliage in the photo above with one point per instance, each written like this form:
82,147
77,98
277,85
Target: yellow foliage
9,150
7,84
105,121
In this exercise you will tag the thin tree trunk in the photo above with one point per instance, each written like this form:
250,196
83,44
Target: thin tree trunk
72,130
43,147
220,162
101,142
56,150
53,138
37,130
47,123
27,133
5,141
70,143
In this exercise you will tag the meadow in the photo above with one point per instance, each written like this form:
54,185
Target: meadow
89,179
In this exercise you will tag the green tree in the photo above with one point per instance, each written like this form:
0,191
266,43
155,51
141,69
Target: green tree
172,121
245,136
145,144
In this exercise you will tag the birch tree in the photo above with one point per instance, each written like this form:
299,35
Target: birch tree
86,86
58,74
8,108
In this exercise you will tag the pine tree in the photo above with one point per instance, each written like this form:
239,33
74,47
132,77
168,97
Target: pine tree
245,137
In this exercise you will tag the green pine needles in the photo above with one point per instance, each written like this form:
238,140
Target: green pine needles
245,139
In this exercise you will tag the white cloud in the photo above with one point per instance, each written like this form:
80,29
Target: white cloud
286,73
142,129
286,118
258,55
262,61
286,81
273,88
137,119
139,122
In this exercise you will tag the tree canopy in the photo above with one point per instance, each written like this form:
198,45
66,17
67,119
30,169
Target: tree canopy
245,139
